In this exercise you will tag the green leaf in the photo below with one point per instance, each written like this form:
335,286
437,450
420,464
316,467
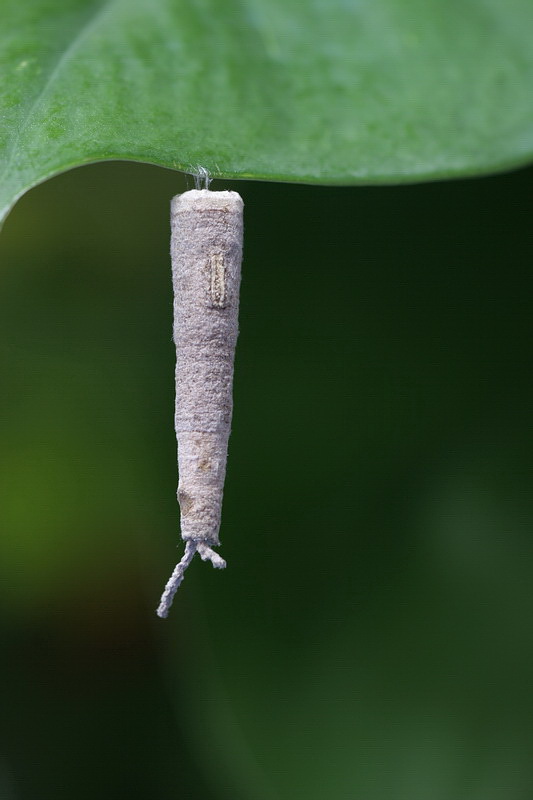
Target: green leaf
323,91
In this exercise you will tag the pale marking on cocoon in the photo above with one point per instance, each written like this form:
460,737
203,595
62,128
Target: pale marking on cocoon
218,280
206,250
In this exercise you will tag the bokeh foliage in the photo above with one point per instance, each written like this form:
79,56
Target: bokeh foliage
372,634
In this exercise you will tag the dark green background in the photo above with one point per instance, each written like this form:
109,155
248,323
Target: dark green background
372,635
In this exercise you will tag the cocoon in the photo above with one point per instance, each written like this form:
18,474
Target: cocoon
206,250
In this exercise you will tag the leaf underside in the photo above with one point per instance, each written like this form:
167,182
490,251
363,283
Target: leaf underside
315,91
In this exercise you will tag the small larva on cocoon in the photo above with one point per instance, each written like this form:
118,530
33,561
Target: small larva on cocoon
206,249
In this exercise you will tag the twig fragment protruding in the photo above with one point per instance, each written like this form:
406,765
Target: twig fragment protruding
173,583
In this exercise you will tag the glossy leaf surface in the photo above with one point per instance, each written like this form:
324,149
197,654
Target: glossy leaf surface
324,91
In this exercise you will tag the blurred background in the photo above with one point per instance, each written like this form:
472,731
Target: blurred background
372,635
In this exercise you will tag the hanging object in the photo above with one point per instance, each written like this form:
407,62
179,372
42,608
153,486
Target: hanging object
206,249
